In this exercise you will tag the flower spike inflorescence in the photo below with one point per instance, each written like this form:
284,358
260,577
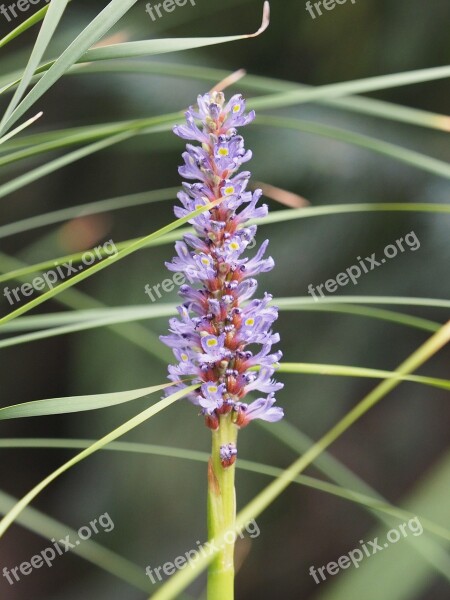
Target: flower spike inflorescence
210,340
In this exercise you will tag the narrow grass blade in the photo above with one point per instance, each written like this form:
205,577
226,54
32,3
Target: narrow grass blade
91,208
36,18
58,163
77,135
134,313
349,371
20,128
365,500
280,216
13,513
336,90
73,404
113,319
410,157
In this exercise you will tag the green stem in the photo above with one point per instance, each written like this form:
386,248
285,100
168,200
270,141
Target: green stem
221,513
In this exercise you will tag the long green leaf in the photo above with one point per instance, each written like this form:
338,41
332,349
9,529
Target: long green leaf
78,135
410,157
12,514
73,404
91,208
36,18
139,312
20,128
58,163
349,371
336,90
365,500
280,216
74,322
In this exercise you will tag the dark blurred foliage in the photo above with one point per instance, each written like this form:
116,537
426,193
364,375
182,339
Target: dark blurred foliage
158,504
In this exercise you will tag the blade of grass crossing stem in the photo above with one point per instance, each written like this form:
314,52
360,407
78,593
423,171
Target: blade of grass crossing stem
280,216
102,265
372,503
48,28
115,318
79,49
52,320
265,498
10,517
399,153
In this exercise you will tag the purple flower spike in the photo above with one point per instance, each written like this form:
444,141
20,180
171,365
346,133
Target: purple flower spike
218,320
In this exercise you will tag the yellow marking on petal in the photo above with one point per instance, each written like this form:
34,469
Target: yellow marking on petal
223,151
234,246
184,357
229,190
250,322
205,261
236,108
211,343
212,389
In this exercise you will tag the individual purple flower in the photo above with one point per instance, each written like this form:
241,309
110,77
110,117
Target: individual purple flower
218,320
228,454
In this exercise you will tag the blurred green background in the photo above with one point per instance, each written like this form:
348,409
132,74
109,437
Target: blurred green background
158,504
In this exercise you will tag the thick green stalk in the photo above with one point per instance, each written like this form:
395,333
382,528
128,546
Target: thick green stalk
222,513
